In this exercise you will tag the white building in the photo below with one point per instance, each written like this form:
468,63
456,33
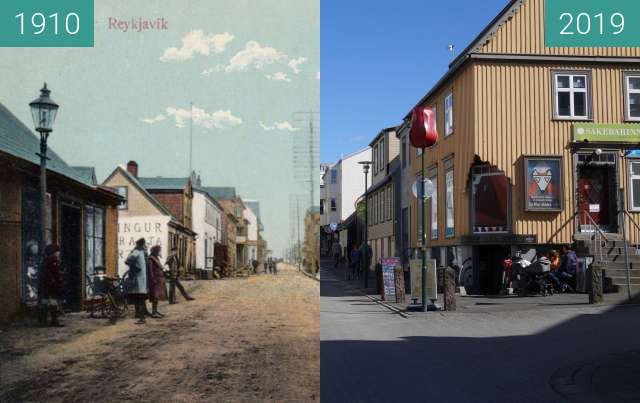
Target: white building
251,246
208,223
343,185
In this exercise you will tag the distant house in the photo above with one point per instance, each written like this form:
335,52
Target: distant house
144,215
208,222
81,217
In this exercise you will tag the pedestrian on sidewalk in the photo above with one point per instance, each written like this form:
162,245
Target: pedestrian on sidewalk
355,261
174,277
51,286
137,286
157,287
336,250
365,258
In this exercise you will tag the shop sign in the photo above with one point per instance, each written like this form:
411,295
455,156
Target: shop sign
152,228
543,183
389,277
602,133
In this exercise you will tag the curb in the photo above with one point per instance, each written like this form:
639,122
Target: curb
309,275
389,307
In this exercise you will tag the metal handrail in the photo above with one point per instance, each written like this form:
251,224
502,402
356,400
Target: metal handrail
597,238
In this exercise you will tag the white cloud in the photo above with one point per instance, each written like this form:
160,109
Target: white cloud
196,42
280,126
279,76
294,63
256,56
158,118
218,119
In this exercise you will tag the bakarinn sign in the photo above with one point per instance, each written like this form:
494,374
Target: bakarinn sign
424,133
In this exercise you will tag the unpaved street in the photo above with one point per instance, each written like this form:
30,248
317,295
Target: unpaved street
241,340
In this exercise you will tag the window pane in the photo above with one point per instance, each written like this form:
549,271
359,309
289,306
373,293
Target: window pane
99,226
634,105
634,83
579,81
88,220
563,81
564,104
635,168
580,104
636,193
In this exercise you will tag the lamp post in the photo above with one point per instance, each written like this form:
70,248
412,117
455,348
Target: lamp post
43,111
365,258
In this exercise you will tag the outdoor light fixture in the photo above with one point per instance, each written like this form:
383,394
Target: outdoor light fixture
365,259
43,111
598,151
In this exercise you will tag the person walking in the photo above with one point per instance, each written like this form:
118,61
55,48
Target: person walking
336,250
355,261
174,277
157,287
137,286
365,258
52,286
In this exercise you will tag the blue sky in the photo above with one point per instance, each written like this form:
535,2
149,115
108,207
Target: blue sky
380,57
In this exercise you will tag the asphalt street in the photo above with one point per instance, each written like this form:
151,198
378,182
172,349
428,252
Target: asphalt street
557,353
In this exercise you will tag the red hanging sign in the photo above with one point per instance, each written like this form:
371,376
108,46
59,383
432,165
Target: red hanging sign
424,133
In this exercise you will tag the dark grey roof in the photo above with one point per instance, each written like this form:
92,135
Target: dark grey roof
162,183
88,173
18,140
220,192
254,206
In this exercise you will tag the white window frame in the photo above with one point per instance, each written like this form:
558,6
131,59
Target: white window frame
633,177
627,95
433,230
450,213
572,91
448,114
333,204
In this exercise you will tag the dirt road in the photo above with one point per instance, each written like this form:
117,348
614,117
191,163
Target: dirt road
241,340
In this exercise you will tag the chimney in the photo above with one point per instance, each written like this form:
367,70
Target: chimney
132,168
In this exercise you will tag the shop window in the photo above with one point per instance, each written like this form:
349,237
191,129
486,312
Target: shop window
449,204
434,207
448,115
632,96
94,241
634,175
491,199
572,95
123,191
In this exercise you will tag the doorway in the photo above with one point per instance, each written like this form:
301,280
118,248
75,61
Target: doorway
597,201
71,254
490,267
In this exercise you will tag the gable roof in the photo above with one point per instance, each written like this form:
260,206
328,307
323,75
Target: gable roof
18,140
88,173
254,206
162,183
220,192
200,189
134,181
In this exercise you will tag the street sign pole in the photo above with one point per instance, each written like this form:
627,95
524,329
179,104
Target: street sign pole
424,246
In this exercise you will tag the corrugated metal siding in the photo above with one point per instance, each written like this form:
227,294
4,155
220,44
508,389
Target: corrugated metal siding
524,34
514,118
461,144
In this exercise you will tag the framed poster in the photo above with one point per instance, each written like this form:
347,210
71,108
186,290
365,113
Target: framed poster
544,186
389,277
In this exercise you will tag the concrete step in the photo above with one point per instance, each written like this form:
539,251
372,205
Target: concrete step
622,280
619,265
620,271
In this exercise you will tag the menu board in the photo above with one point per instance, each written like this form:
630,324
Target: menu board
431,285
389,278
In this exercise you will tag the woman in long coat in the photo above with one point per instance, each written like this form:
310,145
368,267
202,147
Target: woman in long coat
157,287
137,280
51,285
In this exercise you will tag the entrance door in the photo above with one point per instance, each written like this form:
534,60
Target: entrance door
71,254
595,197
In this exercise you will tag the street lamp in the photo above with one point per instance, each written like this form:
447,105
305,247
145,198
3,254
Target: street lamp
365,259
43,111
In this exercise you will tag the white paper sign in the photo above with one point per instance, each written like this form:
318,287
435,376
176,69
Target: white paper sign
594,208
